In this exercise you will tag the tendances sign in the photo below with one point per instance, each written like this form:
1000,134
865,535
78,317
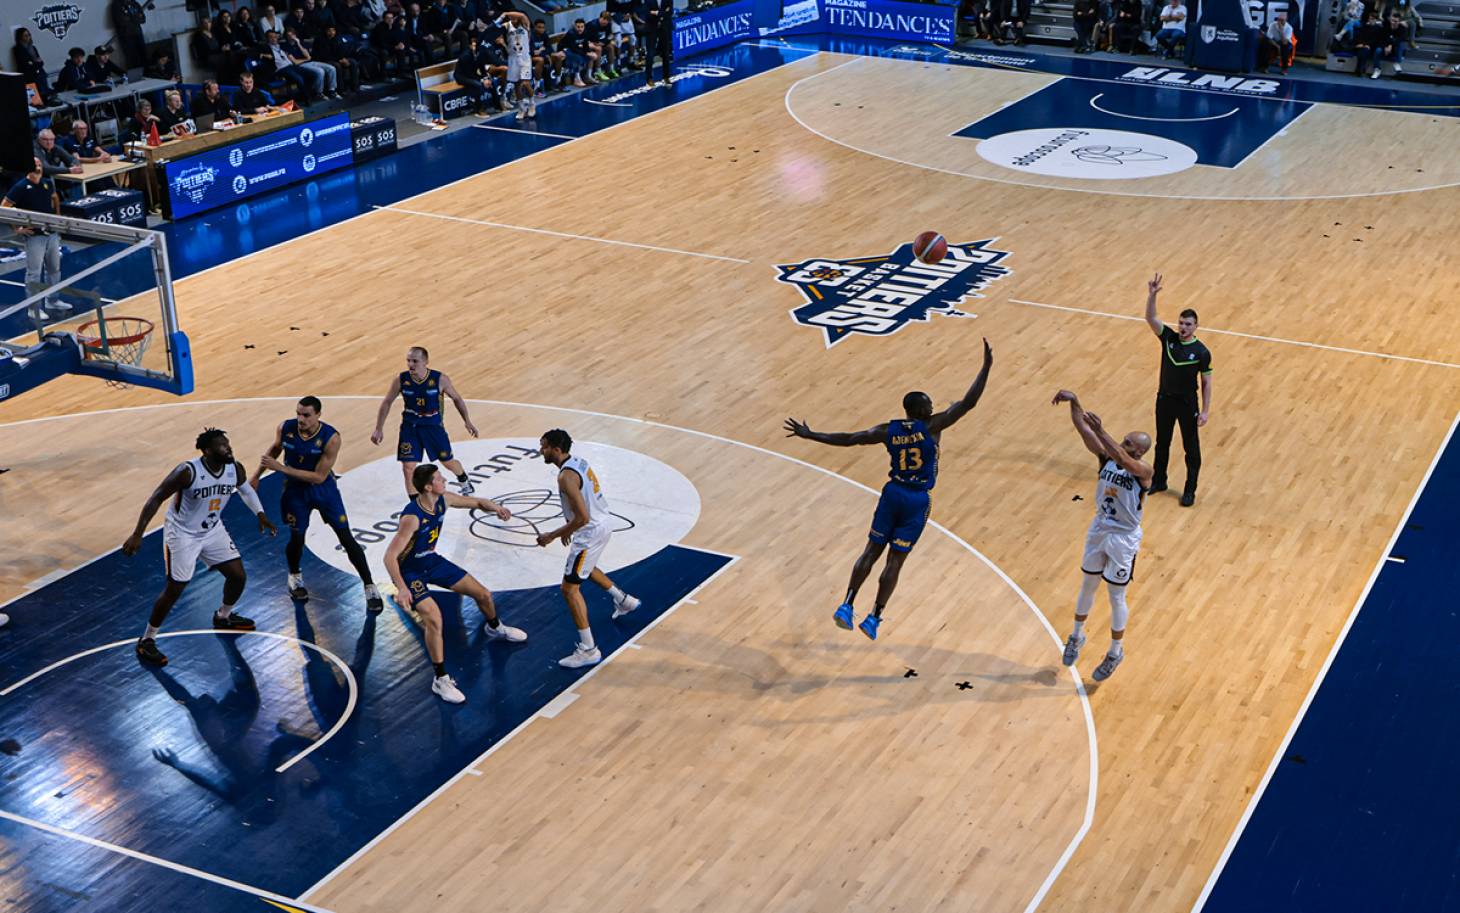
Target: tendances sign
877,296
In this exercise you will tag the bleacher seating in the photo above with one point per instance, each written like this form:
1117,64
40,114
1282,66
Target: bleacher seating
1052,20
1438,41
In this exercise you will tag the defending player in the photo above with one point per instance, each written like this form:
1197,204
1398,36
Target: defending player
902,511
586,533
519,60
1115,533
199,489
422,433
310,448
414,567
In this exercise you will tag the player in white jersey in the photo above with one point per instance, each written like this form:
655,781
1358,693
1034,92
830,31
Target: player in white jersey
519,60
1115,533
198,490
586,533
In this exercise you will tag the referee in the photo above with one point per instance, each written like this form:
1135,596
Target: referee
1184,358
37,193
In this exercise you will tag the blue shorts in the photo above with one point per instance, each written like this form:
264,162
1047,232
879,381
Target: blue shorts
427,571
300,499
423,444
902,513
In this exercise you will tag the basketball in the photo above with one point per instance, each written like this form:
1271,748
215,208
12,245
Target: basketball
930,247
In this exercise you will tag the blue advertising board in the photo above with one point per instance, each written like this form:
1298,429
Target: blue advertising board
256,165
714,27
889,19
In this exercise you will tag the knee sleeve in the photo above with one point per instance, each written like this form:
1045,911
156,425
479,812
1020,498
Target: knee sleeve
1119,611
1087,594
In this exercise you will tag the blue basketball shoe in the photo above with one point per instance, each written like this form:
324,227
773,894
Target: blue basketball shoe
869,626
843,616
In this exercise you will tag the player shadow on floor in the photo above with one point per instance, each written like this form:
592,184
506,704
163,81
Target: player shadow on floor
327,693
737,669
247,780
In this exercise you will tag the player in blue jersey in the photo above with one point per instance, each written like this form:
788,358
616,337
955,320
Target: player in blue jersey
414,567
902,511
310,448
422,433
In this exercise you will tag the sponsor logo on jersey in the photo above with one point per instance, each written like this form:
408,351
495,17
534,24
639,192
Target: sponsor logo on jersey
877,296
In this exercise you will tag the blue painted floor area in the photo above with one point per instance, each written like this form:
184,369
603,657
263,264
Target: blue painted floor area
1363,812
1222,129
178,763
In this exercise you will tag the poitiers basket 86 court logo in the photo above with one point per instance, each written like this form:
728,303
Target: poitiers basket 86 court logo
878,296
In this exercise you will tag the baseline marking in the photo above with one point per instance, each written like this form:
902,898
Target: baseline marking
1322,673
1089,817
260,893
561,234
1171,120
1286,342
339,724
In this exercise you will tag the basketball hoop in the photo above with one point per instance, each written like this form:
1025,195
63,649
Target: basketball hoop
120,340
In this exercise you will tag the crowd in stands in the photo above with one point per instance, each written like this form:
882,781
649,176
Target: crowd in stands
1374,30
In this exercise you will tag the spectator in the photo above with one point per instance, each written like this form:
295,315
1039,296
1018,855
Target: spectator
320,17
37,193
269,21
249,99
28,63
1369,43
326,78
446,21
85,149
1278,43
54,158
390,40
1408,14
578,57
247,29
1396,39
207,51
1127,28
621,15
469,73
101,68
658,36
231,47
1353,17
127,19
372,10
1087,14
139,126
545,58
428,45
298,23
174,118
492,58
1011,18
600,39
74,74
1173,28
331,50
163,66
211,101
985,25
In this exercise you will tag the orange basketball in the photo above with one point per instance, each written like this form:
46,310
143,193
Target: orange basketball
930,247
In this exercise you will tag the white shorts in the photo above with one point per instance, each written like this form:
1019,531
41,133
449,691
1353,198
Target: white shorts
622,28
1111,554
584,550
519,69
182,551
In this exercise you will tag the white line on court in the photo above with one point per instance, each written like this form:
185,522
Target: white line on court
1286,342
608,104
1171,120
1394,559
520,130
1318,682
1089,815
161,863
560,234
1055,77
344,667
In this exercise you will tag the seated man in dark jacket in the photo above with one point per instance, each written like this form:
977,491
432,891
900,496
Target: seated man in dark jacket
332,49
1013,17
1370,40
101,67
1127,28
211,101
74,74
249,99
1087,14
390,40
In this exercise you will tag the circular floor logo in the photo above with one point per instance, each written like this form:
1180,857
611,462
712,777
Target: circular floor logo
653,505
1091,154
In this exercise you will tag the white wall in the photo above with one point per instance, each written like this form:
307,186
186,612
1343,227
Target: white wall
90,26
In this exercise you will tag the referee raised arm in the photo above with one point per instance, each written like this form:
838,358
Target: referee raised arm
1184,358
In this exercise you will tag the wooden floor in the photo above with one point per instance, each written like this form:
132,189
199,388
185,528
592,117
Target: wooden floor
752,756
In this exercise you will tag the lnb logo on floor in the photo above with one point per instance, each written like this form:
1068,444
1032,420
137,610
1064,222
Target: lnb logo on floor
877,296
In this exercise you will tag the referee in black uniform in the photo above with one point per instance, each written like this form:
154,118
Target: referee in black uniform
1184,359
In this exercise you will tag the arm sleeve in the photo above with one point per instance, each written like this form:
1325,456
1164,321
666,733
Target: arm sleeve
250,497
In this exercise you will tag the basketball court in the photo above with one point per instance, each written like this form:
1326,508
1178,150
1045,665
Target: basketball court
658,275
